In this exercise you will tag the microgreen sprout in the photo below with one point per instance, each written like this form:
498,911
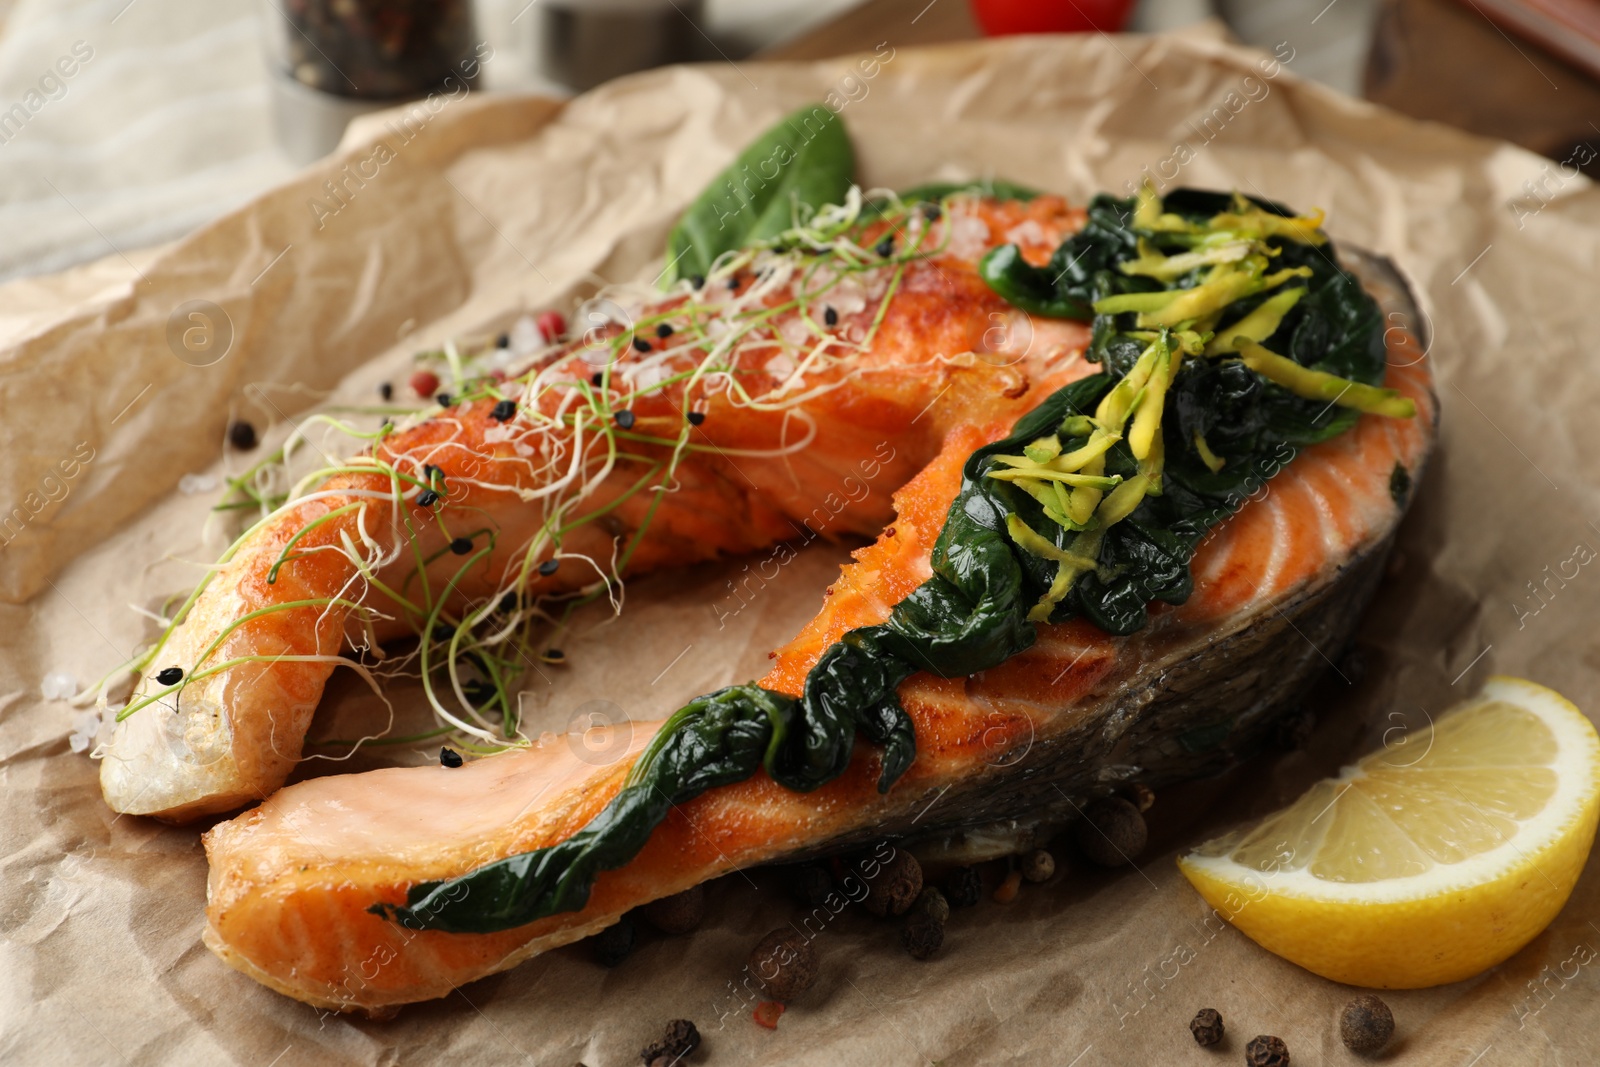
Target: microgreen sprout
770,328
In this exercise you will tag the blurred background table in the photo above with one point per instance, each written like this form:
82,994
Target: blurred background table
165,121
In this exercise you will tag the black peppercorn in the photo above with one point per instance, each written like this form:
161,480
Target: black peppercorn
894,886
733,283
963,887
504,410
449,757
641,345
385,391
503,341
885,247
697,281
1112,832
430,472
679,913
784,963
923,934
625,419
549,567
830,317
242,435
443,400
508,603
1265,1050
663,331
1206,1026
612,945
461,545
443,632
427,498
1038,866
1366,1024
596,378
552,655
812,884
931,210
170,675
933,902
696,417
680,1039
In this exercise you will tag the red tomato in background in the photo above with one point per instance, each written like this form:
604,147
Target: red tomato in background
1000,17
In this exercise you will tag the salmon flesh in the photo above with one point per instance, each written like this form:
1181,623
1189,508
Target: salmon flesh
947,368
875,380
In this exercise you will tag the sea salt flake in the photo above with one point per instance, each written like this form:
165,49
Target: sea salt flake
85,726
969,237
1028,232
190,484
795,331
647,376
525,337
58,685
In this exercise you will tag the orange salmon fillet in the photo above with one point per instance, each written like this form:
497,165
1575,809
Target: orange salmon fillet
291,881
947,351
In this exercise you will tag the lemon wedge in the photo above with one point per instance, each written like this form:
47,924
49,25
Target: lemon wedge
1429,861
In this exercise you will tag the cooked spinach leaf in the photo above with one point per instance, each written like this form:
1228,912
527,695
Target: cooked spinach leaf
1013,546
1064,287
1226,429
970,616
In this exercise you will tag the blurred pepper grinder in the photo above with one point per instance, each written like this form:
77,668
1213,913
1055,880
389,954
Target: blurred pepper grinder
581,43
332,60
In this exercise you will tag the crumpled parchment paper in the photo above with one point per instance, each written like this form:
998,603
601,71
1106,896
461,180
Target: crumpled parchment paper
460,216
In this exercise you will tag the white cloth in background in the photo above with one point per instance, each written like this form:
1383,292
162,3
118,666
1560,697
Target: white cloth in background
168,124
163,126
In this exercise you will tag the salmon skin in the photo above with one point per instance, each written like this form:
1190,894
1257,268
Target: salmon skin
1081,711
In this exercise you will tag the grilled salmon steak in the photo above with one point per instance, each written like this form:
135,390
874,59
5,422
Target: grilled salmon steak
753,417
1110,556
305,889
292,881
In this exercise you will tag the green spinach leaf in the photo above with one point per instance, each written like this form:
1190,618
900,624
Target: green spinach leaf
802,163
972,614
1064,288
1256,428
